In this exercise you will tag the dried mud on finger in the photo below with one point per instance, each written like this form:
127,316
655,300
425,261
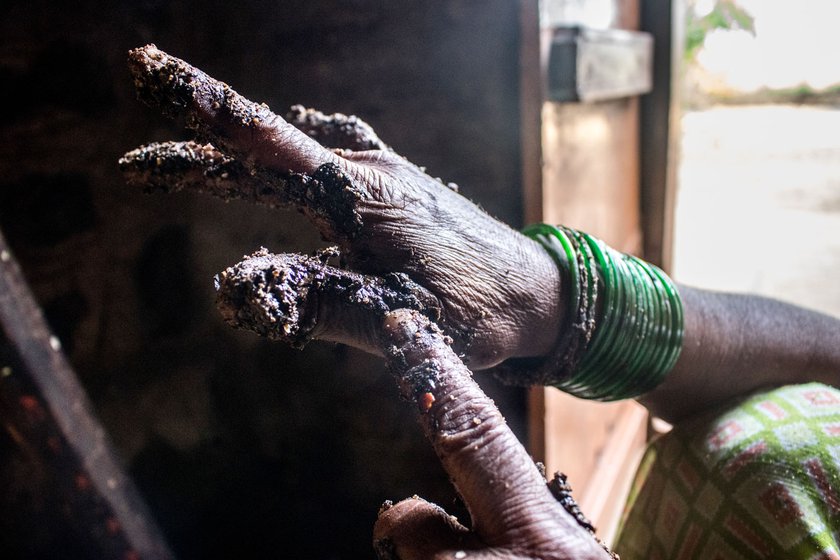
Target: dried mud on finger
278,295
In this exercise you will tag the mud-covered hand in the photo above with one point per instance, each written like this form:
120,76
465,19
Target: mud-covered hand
497,290
513,512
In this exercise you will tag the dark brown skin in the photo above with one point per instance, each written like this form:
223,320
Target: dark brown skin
514,515
336,130
500,297
737,344
293,298
409,221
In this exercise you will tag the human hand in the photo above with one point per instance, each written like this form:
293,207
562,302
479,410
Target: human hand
514,513
497,291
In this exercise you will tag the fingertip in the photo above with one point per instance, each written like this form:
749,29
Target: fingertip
137,55
416,528
243,128
401,326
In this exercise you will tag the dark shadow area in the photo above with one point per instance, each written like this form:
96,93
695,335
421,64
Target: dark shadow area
241,447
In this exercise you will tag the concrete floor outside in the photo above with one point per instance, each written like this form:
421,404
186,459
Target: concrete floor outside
758,206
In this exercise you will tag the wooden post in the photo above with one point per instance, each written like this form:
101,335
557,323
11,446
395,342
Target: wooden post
591,181
82,492
659,129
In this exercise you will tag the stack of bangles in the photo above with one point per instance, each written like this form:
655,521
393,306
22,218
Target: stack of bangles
624,325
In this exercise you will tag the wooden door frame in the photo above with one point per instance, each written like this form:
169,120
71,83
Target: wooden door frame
623,439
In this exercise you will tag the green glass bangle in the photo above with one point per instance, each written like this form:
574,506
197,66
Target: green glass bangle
631,339
586,318
660,338
603,346
677,329
604,276
560,247
670,338
624,326
590,273
563,256
640,356
615,368
583,314
663,324
641,364
595,367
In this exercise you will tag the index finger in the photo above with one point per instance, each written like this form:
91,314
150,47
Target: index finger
249,130
504,491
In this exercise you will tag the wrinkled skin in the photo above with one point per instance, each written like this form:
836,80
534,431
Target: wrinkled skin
481,270
513,513
499,292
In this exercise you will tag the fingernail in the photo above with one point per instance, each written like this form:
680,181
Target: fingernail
401,326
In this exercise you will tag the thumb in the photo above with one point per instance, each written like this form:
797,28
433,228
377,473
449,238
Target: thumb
417,529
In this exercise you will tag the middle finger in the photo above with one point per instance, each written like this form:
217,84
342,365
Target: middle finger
246,129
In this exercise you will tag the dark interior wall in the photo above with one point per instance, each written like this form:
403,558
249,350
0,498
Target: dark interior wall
241,447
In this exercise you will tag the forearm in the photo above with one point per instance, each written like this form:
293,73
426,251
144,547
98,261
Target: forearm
735,344
731,344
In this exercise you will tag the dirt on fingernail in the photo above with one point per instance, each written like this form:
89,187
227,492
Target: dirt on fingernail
277,295
336,130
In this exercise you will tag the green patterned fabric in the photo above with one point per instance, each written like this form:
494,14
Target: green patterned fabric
757,480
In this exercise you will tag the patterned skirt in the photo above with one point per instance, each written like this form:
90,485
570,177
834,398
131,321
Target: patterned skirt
757,480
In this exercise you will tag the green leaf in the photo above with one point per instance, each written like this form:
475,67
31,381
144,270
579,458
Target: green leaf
726,15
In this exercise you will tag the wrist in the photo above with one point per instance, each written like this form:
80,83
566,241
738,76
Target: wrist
544,316
623,324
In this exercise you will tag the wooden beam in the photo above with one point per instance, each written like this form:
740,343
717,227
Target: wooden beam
591,182
45,412
615,470
659,130
586,65
530,108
